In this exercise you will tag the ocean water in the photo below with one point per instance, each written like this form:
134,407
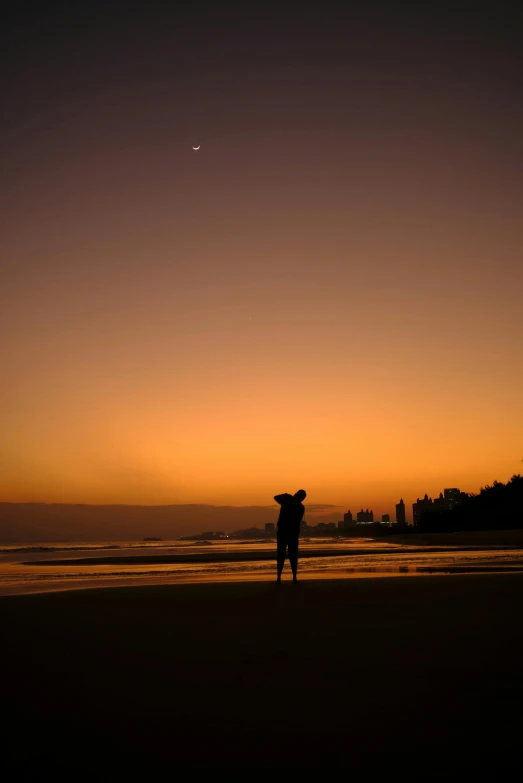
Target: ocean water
29,568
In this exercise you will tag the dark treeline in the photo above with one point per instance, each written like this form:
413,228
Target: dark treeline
496,507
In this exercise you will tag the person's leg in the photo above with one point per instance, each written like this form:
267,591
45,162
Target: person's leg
293,557
281,546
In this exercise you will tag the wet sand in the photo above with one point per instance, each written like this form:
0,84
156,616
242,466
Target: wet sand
420,677
238,556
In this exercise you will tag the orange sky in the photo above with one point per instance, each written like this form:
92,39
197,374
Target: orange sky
327,295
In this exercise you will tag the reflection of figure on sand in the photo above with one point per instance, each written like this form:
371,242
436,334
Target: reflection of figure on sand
288,532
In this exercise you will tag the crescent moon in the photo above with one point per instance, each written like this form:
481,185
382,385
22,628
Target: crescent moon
198,147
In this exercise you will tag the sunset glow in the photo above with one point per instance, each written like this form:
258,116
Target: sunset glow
327,295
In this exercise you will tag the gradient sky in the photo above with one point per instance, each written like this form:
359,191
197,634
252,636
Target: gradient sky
327,294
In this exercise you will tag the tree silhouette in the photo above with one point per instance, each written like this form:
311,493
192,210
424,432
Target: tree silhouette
497,506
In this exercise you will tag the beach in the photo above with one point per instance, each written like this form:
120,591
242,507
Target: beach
416,676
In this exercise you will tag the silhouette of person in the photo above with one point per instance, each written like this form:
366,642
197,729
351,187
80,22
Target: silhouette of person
288,530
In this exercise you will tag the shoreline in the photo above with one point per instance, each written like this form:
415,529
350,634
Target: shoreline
335,582
246,555
137,583
134,583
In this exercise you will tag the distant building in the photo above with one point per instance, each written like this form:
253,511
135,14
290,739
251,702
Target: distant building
420,507
208,534
452,497
347,522
270,529
365,516
385,518
447,499
326,526
439,504
400,513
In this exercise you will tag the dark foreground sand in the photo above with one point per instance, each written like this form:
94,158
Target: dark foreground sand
421,676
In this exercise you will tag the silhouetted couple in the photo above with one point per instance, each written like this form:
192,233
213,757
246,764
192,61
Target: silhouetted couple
288,530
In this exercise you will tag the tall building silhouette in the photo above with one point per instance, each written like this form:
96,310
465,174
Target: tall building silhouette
365,516
419,508
385,518
447,499
347,521
440,504
400,513
452,496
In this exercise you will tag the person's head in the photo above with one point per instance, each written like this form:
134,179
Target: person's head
300,495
